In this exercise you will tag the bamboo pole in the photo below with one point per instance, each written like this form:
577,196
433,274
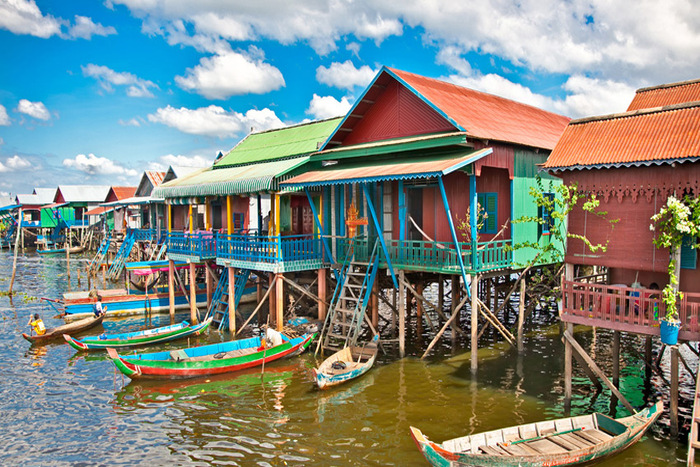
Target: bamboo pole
445,326
521,316
257,308
14,262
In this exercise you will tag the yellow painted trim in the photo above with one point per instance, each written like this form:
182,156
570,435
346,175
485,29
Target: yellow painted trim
277,214
229,216
191,223
170,217
207,220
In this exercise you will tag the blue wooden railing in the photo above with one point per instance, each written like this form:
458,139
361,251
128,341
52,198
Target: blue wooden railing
197,244
264,249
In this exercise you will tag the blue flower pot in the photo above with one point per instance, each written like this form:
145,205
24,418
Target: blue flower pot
669,331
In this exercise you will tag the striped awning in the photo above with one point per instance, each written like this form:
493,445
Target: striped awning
253,178
396,169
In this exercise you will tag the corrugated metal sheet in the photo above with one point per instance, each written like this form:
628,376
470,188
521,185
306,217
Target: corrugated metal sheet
666,94
45,195
229,180
481,115
123,192
641,137
425,167
281,143
156,178
83,193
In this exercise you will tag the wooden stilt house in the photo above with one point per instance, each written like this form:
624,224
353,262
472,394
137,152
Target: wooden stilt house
413,158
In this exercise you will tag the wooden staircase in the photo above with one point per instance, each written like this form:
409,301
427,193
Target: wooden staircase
122,254
693,437
101,253
219,307
349,303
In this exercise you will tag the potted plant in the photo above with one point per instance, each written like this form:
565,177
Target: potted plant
676,220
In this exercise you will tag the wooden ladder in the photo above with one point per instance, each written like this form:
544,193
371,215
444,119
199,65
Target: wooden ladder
693,441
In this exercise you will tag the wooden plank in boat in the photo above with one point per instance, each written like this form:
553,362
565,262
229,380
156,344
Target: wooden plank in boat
563,442
563,425
528,431
494,450
573,439
518,450
477,440
600,435
545,446
511,434
585,435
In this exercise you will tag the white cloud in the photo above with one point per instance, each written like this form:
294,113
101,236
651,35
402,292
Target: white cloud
136,121
94,165
328,106
215,121
34,109
180,160
4,118
345,75
24,17
136,87
230,74
17,163
85,28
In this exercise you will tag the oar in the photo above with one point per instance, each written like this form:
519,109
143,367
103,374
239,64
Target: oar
549,435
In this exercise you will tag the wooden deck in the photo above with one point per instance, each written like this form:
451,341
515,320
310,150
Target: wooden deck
625,309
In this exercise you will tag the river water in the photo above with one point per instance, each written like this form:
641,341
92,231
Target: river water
60,407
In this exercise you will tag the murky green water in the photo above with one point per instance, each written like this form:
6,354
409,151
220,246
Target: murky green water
60,407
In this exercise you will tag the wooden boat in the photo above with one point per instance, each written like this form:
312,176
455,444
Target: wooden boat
55,251
71,328
566,441
224,357
132,339
346,364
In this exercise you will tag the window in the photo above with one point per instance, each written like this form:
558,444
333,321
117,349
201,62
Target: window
689,255
545,213
238,218
488,212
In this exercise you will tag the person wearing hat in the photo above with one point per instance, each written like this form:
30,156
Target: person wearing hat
37,324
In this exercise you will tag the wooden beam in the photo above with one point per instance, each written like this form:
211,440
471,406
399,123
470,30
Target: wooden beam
402,315
257,308
568,366
322,293
279,302
193,295
304,291
673,403
232,300
171,288
420,298
474,322
521,316
444,326
594,367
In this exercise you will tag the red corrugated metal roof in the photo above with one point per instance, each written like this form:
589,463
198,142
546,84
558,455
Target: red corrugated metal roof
97,211
156,178
487,116
666,94
632,138
123,192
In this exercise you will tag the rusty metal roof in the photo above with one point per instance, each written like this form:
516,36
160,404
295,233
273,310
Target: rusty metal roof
393,169
122,192
488,116
666,94
155,177
642,137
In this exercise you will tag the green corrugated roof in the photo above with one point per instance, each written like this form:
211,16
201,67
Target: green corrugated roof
229,180
279,144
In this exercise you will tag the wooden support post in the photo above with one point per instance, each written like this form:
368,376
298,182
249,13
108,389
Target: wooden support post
210,284
521,316
232,300
14,262
673,403
279,302
594,367
104,276
271,298
322,292
474,323
455,313
68,261
419,308
441,293
647,358
616,359
193,295
171,287
402,315
568,366
261,297
374,300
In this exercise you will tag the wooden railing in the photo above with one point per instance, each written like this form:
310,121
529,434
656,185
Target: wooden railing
625,308
199,244
265,249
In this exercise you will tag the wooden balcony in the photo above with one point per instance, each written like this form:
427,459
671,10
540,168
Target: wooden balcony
281,253
191,247
625,309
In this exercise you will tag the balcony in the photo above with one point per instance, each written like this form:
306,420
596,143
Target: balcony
625,309
191,247
282,253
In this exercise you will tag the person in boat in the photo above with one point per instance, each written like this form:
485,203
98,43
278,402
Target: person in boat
37,324
98,309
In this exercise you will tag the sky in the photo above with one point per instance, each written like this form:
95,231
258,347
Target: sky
96,92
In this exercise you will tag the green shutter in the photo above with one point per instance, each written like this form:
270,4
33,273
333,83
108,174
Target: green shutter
492,210
689,255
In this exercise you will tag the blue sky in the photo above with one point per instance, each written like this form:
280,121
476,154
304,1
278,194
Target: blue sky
97,92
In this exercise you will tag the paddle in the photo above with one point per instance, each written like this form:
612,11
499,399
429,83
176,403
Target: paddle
548,435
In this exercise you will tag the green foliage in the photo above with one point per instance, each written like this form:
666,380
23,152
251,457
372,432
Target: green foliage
464,224
676,219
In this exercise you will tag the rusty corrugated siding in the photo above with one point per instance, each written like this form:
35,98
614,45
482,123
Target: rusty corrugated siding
667,94
637,137
156,178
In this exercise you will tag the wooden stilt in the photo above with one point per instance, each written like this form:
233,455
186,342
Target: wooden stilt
322,292
568,366
232,300
474,323
594,367
271,298
616,358
419,308
279,302
402,315
210,284
441,293
647,358
455,313
171,288
14,262
193,295
521,316
374,300
673,403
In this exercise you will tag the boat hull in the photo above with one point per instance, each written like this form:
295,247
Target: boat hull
151,336
437,455
59,331
326,377
162,365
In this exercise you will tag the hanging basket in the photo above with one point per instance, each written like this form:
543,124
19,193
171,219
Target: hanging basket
669,331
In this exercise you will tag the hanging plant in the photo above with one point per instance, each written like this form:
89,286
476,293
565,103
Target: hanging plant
676,219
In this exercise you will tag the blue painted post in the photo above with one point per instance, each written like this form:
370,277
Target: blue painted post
318,225
402,212
381,237
474,213
453,232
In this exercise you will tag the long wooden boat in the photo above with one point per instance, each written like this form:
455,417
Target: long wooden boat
348,363
71,328
120,302
133,339
210,359
566,441
55,251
